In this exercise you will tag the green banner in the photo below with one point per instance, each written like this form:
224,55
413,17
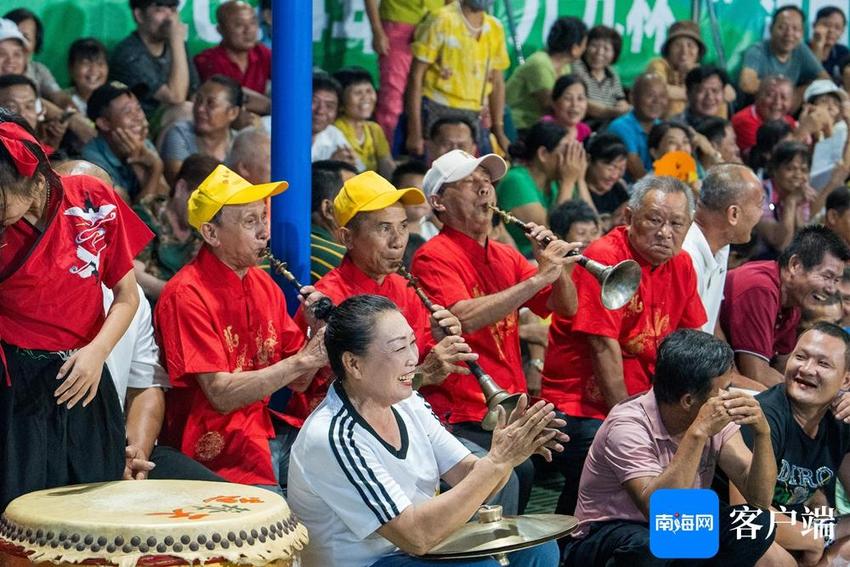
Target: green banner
342,35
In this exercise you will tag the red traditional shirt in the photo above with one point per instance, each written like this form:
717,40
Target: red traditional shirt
453,267
50,295
339,284
752,315
666,300
215,61
210,320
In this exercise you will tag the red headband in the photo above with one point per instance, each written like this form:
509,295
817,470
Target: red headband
12,136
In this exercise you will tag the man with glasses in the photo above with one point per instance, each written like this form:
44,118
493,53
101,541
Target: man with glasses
762,300
484,283
599,357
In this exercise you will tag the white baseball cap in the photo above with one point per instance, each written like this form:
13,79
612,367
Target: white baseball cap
9,30
820,87
456,165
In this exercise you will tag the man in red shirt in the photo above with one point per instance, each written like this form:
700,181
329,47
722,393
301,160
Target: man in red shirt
762,300
226,338
773,102
599,357
240,55
484,283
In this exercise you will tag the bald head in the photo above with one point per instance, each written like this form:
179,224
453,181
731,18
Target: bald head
82,167
237,23
649,96
727,184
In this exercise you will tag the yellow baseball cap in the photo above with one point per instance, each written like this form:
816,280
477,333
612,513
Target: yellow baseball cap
371,192
225,187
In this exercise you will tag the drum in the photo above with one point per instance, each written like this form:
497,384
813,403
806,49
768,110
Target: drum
160,523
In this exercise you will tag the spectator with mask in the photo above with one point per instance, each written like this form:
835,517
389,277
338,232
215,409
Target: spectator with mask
605,96
155,57
649,97
122,147
528,91
365,136
784,53
217,105
681,52
240,55
459,57
451,133
328,141
829,26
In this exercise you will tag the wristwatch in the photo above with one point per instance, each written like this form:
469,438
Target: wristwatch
537,364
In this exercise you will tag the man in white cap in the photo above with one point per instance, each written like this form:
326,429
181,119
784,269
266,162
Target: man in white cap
226,338
484,283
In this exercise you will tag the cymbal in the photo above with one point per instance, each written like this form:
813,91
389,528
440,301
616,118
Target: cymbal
493,534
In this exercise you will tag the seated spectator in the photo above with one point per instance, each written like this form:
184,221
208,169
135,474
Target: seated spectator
528,91
265,11
451,49
785,54
599,357
669,136
422,224
549,169
575,221
810,446
649,97
251,155
605,96
674,436
762,300
606,166
569,107
13,49
709,92
328,141
175,244
33,31
830,147
769,135
155,57
240,55
828,29
837,217
844,68
122,147
789,201
326,252
773,102
844,294
680,53
729,206
451,133
365,136
724,146
88,69
19,95
216,107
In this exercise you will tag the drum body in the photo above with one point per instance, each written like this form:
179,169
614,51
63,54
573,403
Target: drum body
151,523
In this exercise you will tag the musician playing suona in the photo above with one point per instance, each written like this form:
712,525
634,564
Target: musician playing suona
484,283
226,338
373,228
62,237
366,465
599,357
674,436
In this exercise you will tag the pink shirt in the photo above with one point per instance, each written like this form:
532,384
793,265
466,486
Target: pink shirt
633,443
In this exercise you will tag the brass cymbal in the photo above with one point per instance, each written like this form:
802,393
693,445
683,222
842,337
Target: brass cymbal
493,534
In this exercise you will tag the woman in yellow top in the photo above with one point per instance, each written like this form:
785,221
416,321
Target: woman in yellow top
682,51
365,136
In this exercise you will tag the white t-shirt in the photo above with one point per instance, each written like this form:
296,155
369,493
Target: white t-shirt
134,362
345,482
329,141
711,273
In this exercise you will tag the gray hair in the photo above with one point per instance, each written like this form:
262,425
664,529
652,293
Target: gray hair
244,149
724,185
663,183
770,80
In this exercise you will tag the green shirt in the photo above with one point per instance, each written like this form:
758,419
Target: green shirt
325,252
166,253
516,189
535,75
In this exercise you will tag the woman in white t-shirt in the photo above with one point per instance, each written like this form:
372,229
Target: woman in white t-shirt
366,466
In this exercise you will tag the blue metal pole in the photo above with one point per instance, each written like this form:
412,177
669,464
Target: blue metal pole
292,66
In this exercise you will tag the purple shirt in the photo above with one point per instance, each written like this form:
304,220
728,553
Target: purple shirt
633,443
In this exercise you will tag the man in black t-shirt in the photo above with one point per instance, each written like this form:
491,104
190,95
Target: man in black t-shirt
810,445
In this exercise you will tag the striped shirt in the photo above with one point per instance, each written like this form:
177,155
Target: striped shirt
325,252
345,481
607,91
